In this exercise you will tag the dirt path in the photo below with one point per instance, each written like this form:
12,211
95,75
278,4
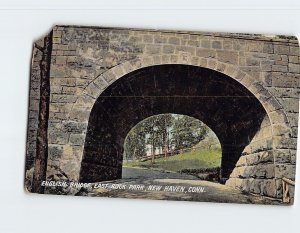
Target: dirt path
175,186
144,173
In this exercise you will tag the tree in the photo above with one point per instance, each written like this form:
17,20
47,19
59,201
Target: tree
187,131
163,124
135,143
153,131
163,132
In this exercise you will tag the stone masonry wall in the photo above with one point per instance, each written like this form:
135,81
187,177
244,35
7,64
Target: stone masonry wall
255,170
81,54
34,99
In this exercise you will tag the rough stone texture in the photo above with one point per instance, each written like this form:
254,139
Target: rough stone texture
34,98
167,93
86,60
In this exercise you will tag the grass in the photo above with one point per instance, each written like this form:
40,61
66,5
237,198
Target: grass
190,160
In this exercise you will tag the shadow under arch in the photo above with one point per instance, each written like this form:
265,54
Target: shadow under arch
222,103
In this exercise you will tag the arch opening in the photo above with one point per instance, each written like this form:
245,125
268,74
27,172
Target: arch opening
171,146
223,104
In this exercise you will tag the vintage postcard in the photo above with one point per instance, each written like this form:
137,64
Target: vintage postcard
168,115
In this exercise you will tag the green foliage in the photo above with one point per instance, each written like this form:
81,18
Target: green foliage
187,131
164,133
135,144
209,142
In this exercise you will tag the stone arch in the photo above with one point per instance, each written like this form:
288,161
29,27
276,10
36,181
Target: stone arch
279,124
99,84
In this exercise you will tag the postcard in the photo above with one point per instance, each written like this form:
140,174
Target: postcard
161,114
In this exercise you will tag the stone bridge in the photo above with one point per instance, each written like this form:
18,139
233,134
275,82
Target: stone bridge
103,81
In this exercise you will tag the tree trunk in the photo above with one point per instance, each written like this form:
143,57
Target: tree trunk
165,151
134,157
153,153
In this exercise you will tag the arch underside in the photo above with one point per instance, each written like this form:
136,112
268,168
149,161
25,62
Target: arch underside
226,106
